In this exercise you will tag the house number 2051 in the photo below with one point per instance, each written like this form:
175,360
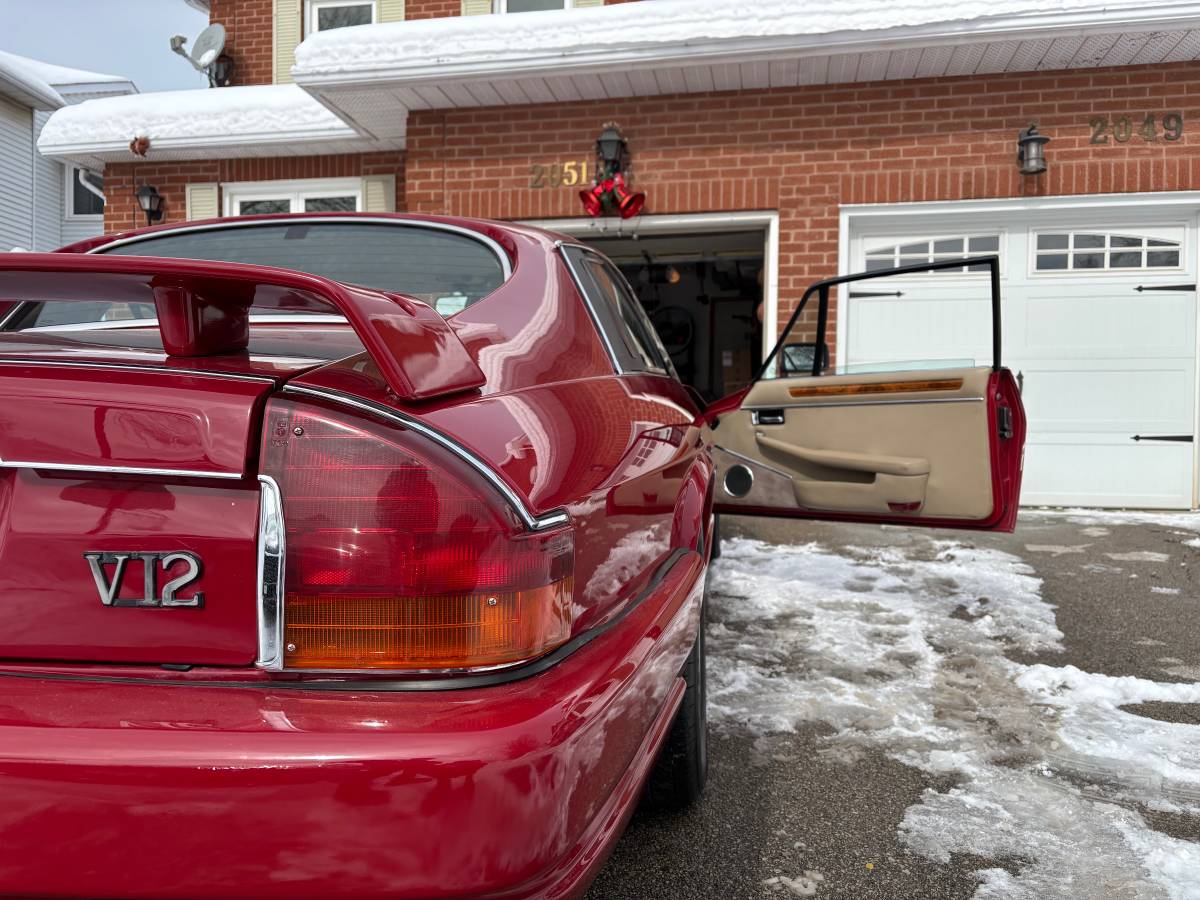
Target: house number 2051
1148,128
559,174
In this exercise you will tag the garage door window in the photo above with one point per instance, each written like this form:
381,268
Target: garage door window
933,249
1062,251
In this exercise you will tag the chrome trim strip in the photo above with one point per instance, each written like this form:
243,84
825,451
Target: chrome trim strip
532,522
752,461
117,470
561,246
130,367
272,554
255,319
867,403
505,262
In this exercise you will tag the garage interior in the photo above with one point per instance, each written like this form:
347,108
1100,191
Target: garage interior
704,293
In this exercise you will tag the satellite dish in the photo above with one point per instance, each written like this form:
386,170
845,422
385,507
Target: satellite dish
208,46
206,51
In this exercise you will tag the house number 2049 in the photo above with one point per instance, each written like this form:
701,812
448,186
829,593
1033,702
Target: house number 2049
1148,128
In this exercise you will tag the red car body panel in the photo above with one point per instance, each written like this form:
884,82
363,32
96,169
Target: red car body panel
175,767
181,790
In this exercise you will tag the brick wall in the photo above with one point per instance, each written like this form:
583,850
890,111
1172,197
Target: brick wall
249,26
121,211
806,151
432,9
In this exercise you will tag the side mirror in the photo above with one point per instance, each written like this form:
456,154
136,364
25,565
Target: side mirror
798,358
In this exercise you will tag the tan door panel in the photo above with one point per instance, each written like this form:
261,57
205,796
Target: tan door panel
912,443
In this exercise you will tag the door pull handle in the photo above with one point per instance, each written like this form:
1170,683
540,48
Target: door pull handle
767,417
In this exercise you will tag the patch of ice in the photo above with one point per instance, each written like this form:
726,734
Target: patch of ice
1139,556
1156,589
801,886
1056,549
902,650
1094,531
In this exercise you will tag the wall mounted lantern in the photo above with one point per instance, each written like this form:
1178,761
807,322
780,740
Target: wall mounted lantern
1031,151
612,148
609,191
150,200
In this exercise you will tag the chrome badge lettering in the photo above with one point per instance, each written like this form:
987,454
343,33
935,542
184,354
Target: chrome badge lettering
188,566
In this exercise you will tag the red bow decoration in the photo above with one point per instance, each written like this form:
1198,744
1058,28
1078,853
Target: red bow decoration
612,192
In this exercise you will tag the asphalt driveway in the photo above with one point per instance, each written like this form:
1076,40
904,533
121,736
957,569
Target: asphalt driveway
942,714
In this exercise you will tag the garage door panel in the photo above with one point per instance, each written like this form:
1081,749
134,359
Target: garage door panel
1095,470
1074,322
1099,396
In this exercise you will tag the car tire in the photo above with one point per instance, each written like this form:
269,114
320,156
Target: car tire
716,538
677,780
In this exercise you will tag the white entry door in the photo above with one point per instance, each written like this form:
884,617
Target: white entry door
1099,320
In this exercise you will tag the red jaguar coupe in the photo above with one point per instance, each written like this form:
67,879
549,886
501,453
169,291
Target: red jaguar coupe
357,556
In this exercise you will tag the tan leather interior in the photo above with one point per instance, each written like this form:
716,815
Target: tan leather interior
892,443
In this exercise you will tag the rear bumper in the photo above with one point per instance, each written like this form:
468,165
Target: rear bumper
513,791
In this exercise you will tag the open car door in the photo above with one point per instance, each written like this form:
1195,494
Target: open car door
938,447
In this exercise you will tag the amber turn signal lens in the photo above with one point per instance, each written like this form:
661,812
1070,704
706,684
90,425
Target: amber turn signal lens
455,632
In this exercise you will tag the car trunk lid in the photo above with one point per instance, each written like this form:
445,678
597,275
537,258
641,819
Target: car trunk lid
129,498
115,483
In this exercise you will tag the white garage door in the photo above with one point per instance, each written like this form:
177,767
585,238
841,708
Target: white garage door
1099,319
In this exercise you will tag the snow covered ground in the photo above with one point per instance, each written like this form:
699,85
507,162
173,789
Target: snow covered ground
905,649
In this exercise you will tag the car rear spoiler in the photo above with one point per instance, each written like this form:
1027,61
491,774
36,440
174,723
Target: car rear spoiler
203,309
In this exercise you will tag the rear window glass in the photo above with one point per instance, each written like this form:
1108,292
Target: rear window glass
447,270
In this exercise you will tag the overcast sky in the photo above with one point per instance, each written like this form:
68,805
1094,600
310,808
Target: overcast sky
117,37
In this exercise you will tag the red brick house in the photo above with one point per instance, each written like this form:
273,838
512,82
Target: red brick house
776,142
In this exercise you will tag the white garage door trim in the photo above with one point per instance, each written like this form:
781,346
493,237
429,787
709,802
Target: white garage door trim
1174,211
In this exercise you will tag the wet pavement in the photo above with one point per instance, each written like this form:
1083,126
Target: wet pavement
912,723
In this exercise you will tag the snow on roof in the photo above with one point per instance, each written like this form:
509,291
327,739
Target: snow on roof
21,80
274,120
46,85
61,76
683,26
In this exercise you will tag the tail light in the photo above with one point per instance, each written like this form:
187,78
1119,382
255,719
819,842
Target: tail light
400,556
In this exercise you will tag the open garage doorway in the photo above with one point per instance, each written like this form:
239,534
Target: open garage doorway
704,295
707,282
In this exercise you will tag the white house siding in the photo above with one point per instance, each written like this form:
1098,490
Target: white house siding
49,210
16,175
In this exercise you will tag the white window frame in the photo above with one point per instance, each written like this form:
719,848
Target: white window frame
311,8
235,193
70,174
501,6
895,242
1178,237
